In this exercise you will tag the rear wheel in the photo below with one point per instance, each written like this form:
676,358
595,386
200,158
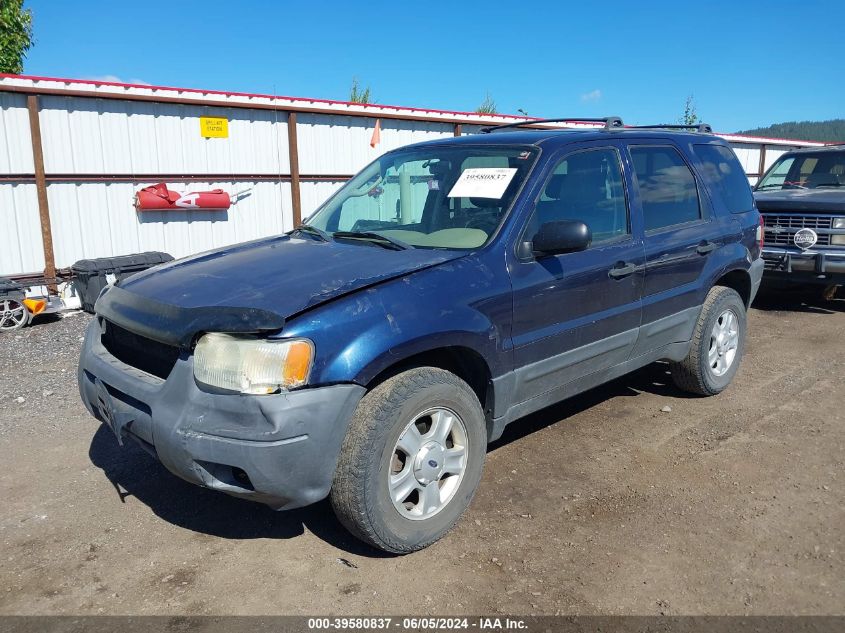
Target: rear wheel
717,345
13,315
411,460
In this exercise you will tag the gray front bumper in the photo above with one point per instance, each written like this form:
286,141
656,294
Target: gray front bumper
286,444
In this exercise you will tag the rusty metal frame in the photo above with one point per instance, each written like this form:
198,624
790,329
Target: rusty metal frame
762,168
41,189
293,157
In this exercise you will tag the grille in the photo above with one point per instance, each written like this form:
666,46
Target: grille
138,351
791,224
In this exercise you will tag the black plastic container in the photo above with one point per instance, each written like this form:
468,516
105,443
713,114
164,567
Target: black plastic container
89,275
11,290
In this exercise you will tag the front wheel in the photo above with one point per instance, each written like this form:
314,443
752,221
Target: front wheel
411,460
717,345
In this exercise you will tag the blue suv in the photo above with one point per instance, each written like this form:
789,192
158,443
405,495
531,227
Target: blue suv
450,288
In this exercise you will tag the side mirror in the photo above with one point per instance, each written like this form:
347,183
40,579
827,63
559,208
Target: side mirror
563,236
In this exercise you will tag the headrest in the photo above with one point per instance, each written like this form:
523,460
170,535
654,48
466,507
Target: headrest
440,167
583,185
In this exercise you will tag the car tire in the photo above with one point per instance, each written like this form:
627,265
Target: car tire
397,441
718,343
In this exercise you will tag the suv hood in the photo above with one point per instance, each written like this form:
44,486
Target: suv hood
253,286
818,200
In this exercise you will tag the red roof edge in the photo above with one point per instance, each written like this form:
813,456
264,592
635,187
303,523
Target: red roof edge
251,95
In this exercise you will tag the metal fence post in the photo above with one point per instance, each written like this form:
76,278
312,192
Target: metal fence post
41,189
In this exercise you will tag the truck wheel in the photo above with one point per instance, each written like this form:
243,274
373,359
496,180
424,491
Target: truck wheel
718,342
411,460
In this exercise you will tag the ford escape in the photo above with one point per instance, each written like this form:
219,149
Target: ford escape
447,290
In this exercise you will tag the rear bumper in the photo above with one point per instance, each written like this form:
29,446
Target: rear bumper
280,449
821,266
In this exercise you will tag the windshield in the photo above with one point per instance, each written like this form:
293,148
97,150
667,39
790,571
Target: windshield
437,197
806,171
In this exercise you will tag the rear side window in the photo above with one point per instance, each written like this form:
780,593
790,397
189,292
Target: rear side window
725,177
666,185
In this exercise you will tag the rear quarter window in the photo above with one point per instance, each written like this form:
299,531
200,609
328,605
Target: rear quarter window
725,177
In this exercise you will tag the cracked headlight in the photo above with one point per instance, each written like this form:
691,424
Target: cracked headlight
252,365
838,240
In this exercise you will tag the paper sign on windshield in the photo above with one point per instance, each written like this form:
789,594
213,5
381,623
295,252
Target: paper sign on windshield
483,182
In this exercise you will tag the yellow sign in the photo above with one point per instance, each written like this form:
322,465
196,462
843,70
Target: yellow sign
214,127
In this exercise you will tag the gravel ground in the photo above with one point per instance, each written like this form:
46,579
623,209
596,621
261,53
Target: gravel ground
632,498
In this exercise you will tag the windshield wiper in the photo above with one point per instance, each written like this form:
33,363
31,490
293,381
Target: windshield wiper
376,238
830,184
313,230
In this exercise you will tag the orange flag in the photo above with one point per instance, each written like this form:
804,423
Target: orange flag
376,139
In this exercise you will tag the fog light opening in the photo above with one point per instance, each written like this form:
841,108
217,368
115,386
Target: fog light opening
240,476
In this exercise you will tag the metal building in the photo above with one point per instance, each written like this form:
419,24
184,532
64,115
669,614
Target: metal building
73,153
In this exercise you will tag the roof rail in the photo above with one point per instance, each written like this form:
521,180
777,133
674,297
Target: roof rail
610,123
701,128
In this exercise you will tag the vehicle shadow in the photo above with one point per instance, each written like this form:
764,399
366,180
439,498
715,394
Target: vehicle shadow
654,378
799,300
44,319
133,472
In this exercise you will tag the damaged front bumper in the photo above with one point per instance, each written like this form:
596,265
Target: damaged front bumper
279,449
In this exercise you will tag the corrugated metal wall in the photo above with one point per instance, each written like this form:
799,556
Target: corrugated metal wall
98,137
21,248
99,151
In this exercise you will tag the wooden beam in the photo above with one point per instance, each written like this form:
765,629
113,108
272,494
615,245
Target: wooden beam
457,129
41,189
762,168
293,153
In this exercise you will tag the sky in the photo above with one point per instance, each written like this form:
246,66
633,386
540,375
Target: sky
746,63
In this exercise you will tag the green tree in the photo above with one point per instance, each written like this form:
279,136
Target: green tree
15,35
357,95
488,106
832,131
690,116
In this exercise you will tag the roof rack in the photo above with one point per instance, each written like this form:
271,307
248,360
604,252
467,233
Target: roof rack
610,123
701,128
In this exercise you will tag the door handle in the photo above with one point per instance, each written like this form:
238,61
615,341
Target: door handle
622,269
706,247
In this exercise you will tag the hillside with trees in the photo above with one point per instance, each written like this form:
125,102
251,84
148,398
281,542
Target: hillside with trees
827,131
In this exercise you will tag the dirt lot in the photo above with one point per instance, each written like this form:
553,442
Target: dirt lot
604,504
